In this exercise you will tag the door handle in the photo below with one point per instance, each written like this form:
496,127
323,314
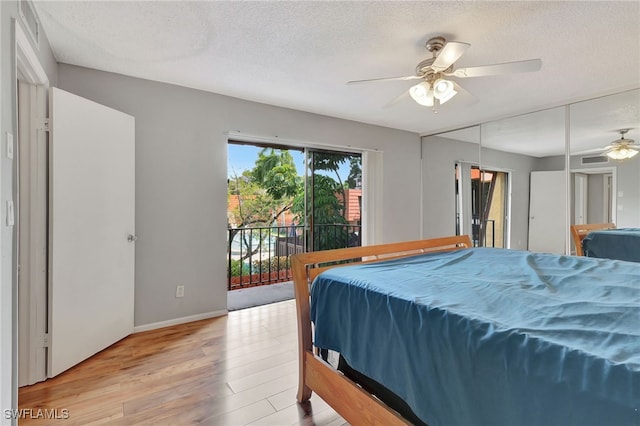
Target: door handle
132,238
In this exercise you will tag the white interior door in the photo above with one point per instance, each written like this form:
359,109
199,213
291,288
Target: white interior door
547,212
92,208
580,198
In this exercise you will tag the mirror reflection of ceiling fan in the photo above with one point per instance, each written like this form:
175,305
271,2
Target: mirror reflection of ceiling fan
620,149
435,87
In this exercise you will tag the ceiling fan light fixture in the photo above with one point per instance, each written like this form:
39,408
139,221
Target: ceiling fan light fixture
422,94
622,153
443,90
622,149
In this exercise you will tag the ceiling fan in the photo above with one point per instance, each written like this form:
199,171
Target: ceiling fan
621,149
435,89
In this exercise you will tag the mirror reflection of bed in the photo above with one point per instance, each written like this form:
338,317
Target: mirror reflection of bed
606,241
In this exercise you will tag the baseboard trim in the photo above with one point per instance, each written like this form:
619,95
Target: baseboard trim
176,321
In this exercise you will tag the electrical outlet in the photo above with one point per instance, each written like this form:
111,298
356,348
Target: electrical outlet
180,291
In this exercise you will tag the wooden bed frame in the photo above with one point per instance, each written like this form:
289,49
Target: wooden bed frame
578,232
353,403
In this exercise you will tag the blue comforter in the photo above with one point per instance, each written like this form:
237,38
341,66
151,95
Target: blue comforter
491,336
620,243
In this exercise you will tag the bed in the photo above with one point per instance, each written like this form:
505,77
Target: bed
579,233
620,244
471,336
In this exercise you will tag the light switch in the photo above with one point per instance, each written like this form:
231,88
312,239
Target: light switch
10,213
9,146
620,194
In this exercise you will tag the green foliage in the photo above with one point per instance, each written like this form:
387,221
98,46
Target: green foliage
328,161
273,264
238,268
265,192
355,172
276,172
273,186
328,211
327,208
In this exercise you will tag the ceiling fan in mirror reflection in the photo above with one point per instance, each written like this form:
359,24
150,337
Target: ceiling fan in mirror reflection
435,87
621,149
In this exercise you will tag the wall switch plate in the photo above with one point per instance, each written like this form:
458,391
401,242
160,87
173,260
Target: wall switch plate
180,291
9,146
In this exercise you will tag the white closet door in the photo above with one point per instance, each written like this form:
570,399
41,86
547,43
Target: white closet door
92,209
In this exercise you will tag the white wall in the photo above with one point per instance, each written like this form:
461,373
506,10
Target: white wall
8,123
181,180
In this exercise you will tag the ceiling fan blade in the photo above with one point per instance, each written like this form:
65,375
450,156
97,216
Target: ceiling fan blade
409,77
508,68
450,53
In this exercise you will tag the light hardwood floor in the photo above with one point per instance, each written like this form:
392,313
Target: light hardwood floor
235,370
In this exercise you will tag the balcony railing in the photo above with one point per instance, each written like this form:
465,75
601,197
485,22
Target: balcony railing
260,256
489,238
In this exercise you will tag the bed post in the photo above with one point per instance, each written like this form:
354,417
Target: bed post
303,316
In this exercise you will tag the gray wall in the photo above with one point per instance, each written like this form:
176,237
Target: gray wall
549,164
181,180
628,183
439,156
8,121
595,199
521,167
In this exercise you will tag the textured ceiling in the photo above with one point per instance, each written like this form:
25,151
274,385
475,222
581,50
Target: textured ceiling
300,54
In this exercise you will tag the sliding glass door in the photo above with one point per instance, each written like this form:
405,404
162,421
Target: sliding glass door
482,205
333,199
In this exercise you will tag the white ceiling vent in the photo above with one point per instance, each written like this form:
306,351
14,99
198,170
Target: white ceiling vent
596,159
30,20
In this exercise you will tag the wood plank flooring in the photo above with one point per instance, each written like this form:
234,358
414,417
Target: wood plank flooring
240,369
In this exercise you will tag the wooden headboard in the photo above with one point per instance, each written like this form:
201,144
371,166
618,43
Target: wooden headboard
578,232
350,400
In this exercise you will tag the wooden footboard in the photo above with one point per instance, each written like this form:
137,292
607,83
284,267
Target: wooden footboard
352,402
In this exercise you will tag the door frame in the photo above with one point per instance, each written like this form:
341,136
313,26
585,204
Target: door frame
29,337
613,170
